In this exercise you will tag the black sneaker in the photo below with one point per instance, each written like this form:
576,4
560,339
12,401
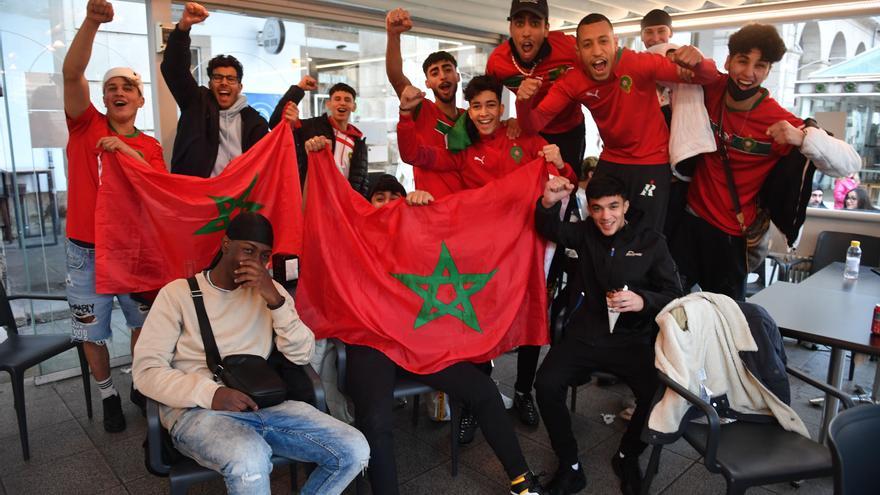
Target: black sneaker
629,472
525,408
114,420
467,427
567,480
138,399
526,484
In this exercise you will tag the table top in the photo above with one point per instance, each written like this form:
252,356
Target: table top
826,316
831,277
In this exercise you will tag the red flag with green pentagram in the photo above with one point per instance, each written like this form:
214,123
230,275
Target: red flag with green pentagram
461,279
153,227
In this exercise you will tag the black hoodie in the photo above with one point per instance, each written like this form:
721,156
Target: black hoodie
635,256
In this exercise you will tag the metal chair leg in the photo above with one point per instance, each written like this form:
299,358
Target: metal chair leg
653,468
574,398
86,378
18,395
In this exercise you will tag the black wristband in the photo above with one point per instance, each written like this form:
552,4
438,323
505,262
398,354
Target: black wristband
273,308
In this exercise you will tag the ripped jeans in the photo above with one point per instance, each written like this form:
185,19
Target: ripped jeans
239,445
89,311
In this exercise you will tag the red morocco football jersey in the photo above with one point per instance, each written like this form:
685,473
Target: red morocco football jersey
432,126
624,106
82,167
752,155
562,59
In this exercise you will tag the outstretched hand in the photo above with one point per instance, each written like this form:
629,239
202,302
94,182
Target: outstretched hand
398,21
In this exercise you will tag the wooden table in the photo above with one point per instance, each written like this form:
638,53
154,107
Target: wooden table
825,312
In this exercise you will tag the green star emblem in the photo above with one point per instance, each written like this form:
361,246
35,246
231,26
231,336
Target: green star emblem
226,206
516,153
446,273
626,83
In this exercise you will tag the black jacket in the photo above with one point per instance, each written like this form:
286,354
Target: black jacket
198,130
636,257
320,126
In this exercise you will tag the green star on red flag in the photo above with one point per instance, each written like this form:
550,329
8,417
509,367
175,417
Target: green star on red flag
446,273
226,206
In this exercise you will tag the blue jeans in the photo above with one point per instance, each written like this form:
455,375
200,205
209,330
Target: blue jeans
89,311
239,445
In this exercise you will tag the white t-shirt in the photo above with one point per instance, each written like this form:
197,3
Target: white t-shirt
343,151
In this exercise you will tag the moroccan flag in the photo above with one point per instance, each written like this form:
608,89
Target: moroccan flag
152,227
461,279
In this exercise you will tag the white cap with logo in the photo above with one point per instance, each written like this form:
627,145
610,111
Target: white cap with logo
127,73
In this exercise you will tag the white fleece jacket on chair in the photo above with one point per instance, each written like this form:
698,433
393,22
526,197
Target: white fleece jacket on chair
690,132
706,331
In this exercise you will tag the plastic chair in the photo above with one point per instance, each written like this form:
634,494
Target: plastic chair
181,471
20,352
746,453
405,387
854,439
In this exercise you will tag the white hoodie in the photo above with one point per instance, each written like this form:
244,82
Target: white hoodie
230,135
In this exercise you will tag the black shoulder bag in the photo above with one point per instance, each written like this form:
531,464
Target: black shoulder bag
246,373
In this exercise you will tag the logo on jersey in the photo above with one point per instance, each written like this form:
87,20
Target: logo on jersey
593,92
516,153
481,159
626,84
649,189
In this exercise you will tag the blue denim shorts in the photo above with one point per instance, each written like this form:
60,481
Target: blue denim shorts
90,312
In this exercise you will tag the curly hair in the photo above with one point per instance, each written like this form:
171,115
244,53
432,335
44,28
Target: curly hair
762,37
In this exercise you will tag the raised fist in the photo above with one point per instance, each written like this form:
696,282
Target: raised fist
308,83
528,88
410,98
193,13
100,11
397,21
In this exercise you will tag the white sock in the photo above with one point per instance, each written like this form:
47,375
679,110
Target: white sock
106,388
575,466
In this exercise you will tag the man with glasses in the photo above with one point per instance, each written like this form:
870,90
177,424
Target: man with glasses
216,123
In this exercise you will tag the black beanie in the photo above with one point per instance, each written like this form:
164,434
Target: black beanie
657,17
250,226
386,182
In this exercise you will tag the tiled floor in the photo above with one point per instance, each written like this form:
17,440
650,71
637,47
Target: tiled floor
71,454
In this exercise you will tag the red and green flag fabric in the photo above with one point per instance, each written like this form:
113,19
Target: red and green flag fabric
153,227
461,279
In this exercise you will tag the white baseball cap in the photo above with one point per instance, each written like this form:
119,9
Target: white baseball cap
127,73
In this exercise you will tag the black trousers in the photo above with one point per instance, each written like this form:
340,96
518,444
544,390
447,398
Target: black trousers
526,366
571,363
647,187
710,257
370,379
571,145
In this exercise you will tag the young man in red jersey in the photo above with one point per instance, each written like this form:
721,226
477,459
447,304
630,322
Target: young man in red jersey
755,132
91,131
530,62
492,153
618,86
433,119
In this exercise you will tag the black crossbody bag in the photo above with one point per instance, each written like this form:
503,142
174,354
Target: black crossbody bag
247,373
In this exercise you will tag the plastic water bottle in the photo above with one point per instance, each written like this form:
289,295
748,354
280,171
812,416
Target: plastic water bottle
853,258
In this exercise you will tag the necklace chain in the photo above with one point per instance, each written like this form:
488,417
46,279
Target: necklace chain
520,69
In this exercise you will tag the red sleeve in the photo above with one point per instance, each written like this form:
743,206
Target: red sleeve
81,124
415,153
156,160
567,171
533,119
661,68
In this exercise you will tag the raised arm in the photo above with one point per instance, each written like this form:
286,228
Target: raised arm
177,59
412,150
397,22
293,95
533,116
831,155
76,87
547,221
699,69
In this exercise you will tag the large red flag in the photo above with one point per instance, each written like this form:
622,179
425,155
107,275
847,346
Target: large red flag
461,279
152,227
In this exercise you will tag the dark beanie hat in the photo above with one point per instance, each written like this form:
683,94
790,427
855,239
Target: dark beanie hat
386,182
656,17
250,226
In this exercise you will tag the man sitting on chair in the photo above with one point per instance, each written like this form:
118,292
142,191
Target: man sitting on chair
222,428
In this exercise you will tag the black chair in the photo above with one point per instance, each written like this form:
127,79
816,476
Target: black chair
404,387
20,352
830,247
746,453
854,439
181,471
